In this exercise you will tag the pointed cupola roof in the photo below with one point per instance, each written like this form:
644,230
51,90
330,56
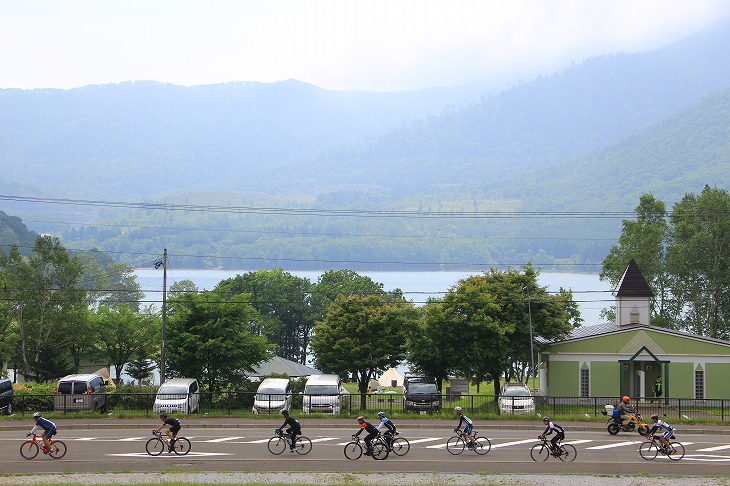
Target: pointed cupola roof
633,283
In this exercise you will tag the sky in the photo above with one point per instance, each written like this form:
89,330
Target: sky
367,45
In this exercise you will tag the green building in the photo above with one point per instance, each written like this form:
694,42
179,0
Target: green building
626,356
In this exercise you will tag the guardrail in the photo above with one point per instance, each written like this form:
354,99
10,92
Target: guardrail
228,403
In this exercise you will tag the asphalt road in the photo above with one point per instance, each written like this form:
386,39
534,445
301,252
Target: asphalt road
109,445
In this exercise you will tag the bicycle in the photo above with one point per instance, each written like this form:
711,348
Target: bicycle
543,450
278,443
30,448
458,443
159,443
380,451
649,450
399,445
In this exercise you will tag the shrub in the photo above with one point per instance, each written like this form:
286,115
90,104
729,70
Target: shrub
33,397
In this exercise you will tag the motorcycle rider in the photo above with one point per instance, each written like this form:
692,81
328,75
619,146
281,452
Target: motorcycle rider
625,410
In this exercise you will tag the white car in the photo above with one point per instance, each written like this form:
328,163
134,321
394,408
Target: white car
516,400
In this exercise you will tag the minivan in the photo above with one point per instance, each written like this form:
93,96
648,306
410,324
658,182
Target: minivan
273,396
178,395
322,394
81,393
420,394
6,396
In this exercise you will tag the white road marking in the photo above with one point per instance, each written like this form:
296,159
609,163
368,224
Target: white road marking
716,448
323,439
176,456
613,445
223,439
132,439
517,442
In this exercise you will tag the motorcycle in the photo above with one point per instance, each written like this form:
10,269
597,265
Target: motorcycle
616,425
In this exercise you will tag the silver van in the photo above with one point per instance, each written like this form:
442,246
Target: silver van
273,396
81,393
322,394
178,395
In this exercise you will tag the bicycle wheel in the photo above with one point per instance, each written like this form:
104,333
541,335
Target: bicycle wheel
29,449
648,450
455,445
155,446
353,450
380,451
539,452
567,453
678,451
303,445
58,449
401,446
181,446
277,445
482,446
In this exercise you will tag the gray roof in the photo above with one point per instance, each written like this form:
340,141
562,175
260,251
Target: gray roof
584,332
282,366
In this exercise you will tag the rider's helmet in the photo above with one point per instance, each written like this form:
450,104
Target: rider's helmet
546,419
626,399
655,417
163,415
361,419
285,412
457,409
381,414
36,415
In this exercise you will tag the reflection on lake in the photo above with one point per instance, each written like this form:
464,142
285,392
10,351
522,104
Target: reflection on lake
589,292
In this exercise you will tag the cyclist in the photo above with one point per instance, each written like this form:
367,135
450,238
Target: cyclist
625,410
667,433
550,428
372,433
468,425
49,430
173,427
294,429
388,424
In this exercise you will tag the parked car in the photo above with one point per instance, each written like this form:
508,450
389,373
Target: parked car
322,393
516,399
81,393
421,394
178,395
273,396
6,396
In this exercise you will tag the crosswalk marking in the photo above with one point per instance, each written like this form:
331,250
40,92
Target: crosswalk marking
517,442
716,448
574,442
86,438
429,439
132,439
323,439
223,439
611,446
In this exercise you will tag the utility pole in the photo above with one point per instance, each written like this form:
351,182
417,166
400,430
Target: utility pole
532,351
164,315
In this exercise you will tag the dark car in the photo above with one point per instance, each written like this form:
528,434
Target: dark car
421,394
6,396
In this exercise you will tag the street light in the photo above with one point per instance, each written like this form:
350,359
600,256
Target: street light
532,352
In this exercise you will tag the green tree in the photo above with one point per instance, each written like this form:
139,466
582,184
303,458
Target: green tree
645,240
47,300
284,306
141,366
212,339
121,333
698,258
364,335
122,287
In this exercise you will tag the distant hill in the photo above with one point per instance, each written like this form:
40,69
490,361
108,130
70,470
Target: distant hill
14,232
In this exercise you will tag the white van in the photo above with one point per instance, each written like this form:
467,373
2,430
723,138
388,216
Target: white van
273,396
178,395
322,394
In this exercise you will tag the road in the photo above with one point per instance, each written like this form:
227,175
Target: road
120,446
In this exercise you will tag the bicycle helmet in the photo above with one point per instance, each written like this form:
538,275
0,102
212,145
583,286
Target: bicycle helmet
381,414
626,399
546,419
457,409
163,415
36,415
285,412
361,419
655,417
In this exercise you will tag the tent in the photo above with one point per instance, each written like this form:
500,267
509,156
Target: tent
390,375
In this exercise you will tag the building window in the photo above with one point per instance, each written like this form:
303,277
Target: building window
699,384
584,388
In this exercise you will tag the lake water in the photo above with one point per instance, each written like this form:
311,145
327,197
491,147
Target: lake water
589,292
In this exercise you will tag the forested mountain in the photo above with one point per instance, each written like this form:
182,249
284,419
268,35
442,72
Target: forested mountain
591,137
